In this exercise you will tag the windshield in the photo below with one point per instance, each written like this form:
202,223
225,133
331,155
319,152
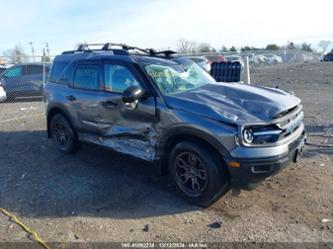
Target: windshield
177,78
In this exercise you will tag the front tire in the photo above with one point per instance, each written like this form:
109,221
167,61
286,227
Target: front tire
63,134
198,174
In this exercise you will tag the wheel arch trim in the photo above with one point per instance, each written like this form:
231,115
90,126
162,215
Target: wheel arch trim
51,111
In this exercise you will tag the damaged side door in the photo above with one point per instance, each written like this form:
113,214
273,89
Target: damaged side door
124,128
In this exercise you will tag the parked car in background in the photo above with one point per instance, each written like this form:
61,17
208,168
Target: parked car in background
253,59
328,57
215,58
234,58
3,67
3,95
202,61
24,81
272,59
260,58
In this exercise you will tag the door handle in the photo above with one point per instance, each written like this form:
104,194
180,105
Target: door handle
70,98
109,104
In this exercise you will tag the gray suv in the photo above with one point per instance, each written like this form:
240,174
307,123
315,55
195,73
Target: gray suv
209,136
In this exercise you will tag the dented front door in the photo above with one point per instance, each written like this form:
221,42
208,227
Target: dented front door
127,129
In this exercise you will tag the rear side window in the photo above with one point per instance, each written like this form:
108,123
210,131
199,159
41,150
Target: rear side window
58,73
86,77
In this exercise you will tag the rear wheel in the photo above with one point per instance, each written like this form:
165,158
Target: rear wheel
198,174
63,135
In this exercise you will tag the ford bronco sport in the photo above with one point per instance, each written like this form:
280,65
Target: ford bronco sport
209,136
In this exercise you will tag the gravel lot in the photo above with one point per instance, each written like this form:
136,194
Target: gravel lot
98,195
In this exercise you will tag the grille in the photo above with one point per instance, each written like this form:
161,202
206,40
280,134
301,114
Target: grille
291,124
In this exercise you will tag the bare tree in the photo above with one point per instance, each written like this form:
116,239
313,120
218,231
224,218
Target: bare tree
306,47
45,58
15,55
324,44
291,45
223,49
205,47
185,46
233,49
272,47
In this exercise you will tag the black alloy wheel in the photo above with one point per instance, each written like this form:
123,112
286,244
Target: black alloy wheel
191,173
63,135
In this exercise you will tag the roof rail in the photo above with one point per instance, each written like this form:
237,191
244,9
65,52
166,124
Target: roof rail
85,47
166,53
107,46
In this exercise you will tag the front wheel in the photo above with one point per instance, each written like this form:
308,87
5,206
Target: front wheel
199,176
63,135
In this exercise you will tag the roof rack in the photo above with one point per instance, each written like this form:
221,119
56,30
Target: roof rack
85,47
166,53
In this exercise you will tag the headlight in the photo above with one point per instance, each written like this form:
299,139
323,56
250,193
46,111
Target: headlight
248,135
261,135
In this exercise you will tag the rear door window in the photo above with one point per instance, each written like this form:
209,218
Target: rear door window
87,77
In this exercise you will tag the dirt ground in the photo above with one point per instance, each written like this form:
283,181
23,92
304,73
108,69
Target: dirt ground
98,195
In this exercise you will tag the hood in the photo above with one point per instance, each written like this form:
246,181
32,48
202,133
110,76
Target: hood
234,102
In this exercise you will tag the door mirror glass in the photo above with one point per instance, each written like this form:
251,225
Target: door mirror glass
132,94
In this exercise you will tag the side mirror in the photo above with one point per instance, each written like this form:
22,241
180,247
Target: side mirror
132,94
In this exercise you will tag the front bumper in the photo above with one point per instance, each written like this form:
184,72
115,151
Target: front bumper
254,170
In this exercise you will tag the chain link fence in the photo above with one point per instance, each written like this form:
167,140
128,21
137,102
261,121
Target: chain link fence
22,77
259,58
265,57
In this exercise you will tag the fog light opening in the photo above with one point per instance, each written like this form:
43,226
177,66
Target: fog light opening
234,164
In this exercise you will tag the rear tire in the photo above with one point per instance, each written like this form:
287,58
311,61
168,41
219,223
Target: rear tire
198,174
63,135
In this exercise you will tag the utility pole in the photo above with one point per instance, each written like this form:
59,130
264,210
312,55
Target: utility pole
32,51
47,49
44,70
247,70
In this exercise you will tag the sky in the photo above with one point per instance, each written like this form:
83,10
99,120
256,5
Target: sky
161,23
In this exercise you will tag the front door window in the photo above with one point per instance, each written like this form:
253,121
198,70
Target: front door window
118,78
